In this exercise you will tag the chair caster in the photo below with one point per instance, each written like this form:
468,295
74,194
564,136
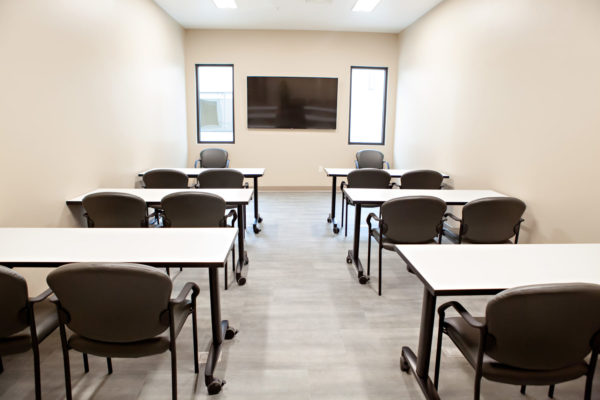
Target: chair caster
363,279
260,219
230,333
329,219
241,281
215,386
256,229
349,260
404,367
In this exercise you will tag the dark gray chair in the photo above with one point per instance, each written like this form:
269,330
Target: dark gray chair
366,178
25,321
115,210
406,220
223,179
122,311
489,220
421,179
197,210
370,159
212,158
531,335
165,179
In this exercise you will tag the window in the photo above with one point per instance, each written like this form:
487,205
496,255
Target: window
368,88
214,102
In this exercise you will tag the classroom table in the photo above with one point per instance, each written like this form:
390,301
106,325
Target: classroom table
253,173
334,173
459,270
379,196
182,247
237,197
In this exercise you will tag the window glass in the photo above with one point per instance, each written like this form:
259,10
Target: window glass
214,85
367,105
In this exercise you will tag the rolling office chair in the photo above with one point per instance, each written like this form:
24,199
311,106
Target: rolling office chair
406,220
370,159
115,210
197,210
135,318
421,179
366,178
530,335
25,321
489,220
212,158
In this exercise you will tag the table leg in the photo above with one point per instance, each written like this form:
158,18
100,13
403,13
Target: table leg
420,364
331,217
257,217
352,256
241,269
220,329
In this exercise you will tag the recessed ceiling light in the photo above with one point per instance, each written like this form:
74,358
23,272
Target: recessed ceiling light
225,3
365,5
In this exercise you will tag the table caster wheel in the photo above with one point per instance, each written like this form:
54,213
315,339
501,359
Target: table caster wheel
336,229
256,229
329,219
260,219
241,281
349,260
404,365
363,279
230,333
215,386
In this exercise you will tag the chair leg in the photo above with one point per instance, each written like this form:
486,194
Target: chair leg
523,388
477,388
67,366
168,271
195,339
86,365
1,366
36,370
346,227
173,371
438,355
225,275
109,365
369,255
380,254
343,197
551,391
590,375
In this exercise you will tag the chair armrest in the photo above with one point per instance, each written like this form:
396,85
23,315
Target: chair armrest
394,184
231,213
372,216
196,163
356,164
227,164
343,185
190,286
41,296
469,319
452,216
387,163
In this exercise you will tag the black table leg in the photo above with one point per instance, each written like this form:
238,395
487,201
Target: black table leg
331,217
352,256
257,218
420,365
220,329
241,269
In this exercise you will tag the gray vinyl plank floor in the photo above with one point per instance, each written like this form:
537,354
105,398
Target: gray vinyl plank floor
307,329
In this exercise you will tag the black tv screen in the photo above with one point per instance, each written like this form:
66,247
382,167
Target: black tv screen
292,103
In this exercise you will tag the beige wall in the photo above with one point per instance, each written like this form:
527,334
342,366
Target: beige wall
91,93
292,157
505,94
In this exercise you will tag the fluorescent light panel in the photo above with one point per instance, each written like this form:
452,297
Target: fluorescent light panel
365,5
225,3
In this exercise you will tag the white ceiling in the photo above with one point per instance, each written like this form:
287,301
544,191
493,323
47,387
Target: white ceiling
389,16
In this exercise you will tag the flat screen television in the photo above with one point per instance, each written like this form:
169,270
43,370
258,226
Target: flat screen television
277,102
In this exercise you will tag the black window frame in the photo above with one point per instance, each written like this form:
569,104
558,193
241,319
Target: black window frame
232,102
382,143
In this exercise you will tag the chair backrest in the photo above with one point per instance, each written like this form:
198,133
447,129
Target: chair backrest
491,219
113,302
369,178
543,327
201,210
13,302
221,179
165,179
115,210
369,159
414,219
213,158
421,179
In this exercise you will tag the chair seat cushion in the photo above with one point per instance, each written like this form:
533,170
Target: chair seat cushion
466,338
46,320
389,244
452,233
140,348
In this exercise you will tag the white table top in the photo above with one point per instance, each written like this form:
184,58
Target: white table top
154,196
193,172
447,269
56,246
395,173
451,197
